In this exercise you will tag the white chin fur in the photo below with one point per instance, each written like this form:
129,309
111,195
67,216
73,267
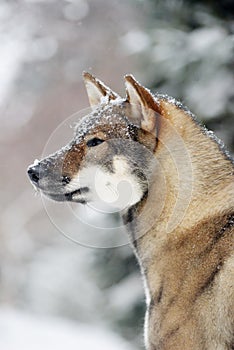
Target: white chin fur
119,189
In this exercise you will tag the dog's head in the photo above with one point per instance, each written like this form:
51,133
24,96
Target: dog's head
112,147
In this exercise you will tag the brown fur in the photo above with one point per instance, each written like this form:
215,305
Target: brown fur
190,271
186,255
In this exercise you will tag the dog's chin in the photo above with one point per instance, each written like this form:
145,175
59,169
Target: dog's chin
76,196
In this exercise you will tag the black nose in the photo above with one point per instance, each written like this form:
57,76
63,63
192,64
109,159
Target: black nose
33,173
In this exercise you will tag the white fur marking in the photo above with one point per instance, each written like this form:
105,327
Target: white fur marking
119,189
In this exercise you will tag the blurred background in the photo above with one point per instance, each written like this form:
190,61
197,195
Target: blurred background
54,292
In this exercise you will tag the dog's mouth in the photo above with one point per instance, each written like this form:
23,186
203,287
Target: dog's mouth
78,196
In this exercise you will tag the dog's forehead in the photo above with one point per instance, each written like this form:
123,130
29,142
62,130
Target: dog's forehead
104,117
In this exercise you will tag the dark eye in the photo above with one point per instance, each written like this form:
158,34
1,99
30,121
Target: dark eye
94,142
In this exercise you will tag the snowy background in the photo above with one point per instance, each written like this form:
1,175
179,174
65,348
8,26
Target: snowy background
54,293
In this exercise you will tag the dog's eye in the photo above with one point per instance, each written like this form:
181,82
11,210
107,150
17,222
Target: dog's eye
94,142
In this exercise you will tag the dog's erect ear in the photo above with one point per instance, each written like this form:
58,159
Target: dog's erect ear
143,104
96,90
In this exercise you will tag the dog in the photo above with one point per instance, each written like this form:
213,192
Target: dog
179,215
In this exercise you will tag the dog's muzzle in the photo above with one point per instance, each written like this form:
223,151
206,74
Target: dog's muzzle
34,173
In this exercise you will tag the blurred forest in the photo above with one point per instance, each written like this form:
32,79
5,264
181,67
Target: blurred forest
179,47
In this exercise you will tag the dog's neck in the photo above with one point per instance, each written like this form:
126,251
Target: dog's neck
206,175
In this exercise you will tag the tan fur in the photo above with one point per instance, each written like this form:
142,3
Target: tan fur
194,311
186,253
